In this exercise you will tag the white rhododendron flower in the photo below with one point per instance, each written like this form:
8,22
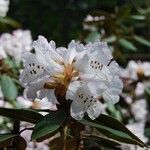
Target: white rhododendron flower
139,114
135,69
15,44
84,74
4,6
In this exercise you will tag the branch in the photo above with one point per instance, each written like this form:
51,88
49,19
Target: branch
63,133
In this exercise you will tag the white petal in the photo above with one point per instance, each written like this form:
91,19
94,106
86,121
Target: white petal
33,69
114,68
23,102
48,95
78,47
109,97
104,74
76,110
114,89
73,86
30,92
62,51
45,104
117,83
95,110
92,66
52,44
82,63
100,51
45,50
70,56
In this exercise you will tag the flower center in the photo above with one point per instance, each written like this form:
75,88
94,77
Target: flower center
68,74
140,72
61,81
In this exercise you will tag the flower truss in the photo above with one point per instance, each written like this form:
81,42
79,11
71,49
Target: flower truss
84,74
135,70
15,44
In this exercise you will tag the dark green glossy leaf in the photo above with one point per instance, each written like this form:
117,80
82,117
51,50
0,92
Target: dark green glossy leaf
115,124
48,124
113,129
8,87
6,139
100,141
142,40
127,44
21,114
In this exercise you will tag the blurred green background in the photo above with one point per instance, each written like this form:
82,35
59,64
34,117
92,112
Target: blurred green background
125,27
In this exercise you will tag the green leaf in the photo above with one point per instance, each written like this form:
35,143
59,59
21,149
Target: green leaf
147,132
9,21
113,129
6,139
114,112
124,12
142,40
111,39
8,87
147,91
138,17
100,141
21,114
48,124
93,36
127,44
113,123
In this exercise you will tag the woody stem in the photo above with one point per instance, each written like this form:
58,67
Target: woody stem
64,137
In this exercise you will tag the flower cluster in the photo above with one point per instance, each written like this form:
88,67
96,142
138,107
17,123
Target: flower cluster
16,43
135,70
84,74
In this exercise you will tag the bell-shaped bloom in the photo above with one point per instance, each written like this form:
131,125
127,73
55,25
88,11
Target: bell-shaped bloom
97,64
86,99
